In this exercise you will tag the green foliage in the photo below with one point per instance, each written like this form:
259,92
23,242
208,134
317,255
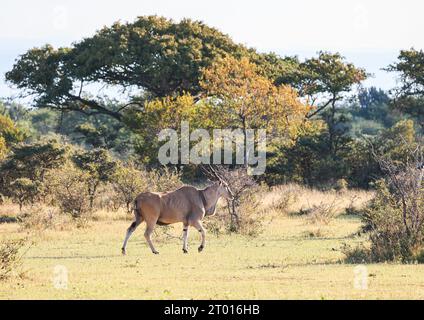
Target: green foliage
324,78
68,187
23,191
162,113
99,166
31,161
128,182
164,179
13,110
9,135
155,54
308,160
410,93
3,148
323,81
387,224
10,257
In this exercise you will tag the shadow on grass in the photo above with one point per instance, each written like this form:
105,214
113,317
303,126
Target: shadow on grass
71,257
8,219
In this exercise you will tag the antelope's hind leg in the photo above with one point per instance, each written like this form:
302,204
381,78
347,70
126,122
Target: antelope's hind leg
130,231
148,236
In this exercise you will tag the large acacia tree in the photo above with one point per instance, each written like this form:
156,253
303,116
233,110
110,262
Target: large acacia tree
409,95
154,55
324,81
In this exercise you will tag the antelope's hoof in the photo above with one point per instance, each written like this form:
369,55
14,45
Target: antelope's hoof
155,252
201,248
124,252
185,251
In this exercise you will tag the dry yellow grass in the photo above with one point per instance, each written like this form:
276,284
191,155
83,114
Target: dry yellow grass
304,198
284,262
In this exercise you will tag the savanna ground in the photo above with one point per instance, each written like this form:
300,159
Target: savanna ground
293,258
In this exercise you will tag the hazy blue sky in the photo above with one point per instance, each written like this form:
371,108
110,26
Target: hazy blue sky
369,33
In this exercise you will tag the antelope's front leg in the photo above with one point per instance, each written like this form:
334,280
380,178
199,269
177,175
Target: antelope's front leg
199,226
185,238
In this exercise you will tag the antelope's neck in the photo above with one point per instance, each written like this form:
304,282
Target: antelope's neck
211,198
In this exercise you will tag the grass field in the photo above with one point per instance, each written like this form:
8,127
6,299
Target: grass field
289,260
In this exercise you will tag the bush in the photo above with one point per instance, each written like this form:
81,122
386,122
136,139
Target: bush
164,180
98,167
10,257
23,191
285,201
251,217
395,217
250,221
322,213
41,218
68,187
356,255
341,185
385,224
127,183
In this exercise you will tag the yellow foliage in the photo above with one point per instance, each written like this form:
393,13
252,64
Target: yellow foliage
3,148
245,99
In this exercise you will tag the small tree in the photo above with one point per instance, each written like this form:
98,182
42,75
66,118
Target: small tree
11,257
395,218
238,183
245,99
165,180
324,81
9,132
128,181
31,161
68,188
23,191
409,95
99,166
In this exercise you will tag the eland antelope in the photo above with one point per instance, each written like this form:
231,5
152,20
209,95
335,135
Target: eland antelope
188,205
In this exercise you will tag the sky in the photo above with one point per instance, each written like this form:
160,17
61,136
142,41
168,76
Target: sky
368,33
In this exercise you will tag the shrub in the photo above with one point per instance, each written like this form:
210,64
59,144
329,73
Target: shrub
23,191
41,218
250,220
356,255
68,187
98,167
10,257
164,180
387,226
394,219
285,201
341,185
322,213
127,183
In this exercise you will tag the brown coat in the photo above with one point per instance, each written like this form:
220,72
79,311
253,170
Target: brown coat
187,205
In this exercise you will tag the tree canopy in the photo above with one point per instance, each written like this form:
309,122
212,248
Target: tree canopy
322,80
9,135
409,96
154,55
